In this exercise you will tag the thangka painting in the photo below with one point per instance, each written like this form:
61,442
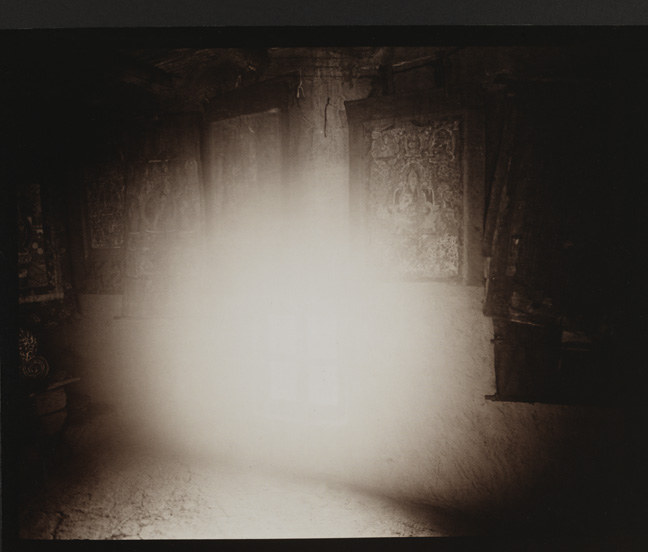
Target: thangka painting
415,199
417,185
163,224
104,221
39,267
163,221
104,190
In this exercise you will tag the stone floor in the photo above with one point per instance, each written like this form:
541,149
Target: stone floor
135,491
115,485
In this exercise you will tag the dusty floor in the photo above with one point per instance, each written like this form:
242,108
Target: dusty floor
116,485
117,490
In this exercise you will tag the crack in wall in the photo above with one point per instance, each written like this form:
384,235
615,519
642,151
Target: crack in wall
62,518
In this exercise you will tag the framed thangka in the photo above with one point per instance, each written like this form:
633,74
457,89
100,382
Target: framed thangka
416,186
103,218
163,220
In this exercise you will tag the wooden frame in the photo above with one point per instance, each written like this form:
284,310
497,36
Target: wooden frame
444,176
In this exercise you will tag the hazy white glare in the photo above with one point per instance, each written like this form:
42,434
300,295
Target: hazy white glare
289,352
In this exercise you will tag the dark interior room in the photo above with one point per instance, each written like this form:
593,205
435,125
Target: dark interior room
271,285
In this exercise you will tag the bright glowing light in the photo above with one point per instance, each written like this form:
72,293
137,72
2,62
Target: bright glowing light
287,354
323,384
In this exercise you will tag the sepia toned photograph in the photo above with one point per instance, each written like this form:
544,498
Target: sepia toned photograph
352,284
